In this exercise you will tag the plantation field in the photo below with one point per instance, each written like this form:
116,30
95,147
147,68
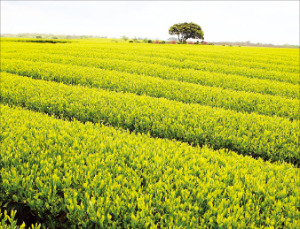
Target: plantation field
103,134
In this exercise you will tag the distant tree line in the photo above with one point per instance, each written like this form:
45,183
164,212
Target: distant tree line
49,36
146,40
52,41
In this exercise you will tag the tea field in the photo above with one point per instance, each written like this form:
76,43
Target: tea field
103,134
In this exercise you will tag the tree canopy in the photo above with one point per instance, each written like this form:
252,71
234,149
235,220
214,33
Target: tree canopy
186,30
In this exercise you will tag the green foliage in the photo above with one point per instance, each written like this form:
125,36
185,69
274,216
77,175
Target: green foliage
156,87
253,65
112,169
94,176
186,71
186,30
270,138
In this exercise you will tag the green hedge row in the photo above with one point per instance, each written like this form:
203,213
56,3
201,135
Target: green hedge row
202,66
239,57
38,40
78,175
233,82
156,87
271,138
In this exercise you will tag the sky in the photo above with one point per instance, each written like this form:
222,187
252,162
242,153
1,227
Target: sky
275,22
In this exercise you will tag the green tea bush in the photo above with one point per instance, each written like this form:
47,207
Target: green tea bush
156,87
271,138
91,176
226,81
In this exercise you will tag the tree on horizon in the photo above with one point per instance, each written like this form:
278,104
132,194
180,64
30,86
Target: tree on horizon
186,30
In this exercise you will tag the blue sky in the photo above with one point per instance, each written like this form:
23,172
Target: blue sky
275,22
